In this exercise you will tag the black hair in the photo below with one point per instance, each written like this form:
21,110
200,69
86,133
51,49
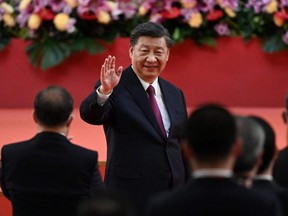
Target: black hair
211,132
150,29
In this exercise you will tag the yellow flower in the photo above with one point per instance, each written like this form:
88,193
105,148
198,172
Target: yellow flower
61,21
112,5
34,21
278,21
72,3
142,10
196,20
188,4
7,7
23,4
229,12
103,17
271,7
9,20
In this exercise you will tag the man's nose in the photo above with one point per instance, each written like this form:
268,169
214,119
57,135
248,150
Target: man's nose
151,58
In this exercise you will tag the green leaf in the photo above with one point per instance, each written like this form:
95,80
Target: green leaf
210,41
53,54
87,44
3,43
34,53
273,44
176,34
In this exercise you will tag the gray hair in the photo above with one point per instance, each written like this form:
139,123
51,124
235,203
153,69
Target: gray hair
252,136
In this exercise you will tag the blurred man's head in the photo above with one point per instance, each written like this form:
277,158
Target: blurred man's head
53,106
252,136
270,148
285,115
211,133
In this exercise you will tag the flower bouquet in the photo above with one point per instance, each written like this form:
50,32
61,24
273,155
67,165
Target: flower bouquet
58,28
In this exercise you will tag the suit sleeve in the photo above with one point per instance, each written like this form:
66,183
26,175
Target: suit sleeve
91,112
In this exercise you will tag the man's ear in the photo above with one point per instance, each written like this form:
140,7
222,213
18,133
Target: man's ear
69,121
34,117
131,49
237,147
275,155
284,116
168,54
187,151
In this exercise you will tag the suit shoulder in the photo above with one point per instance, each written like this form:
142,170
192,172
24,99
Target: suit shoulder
283,152
15,145
82,149
168,84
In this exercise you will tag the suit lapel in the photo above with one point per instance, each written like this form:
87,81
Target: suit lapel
135,88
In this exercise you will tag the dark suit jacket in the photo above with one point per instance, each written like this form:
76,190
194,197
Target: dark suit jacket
140,161
270,191
210,196
48,175
280,169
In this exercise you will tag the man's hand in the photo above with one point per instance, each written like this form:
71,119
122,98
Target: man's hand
109,76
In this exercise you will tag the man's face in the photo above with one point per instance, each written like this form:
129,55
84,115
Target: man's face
149,57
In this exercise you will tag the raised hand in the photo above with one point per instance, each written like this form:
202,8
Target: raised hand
109,76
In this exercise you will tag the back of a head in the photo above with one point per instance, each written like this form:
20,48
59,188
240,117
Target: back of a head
106,203
269,143
150,29
252,136
53,106
211,132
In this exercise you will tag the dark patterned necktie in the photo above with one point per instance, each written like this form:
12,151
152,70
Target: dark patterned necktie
151,92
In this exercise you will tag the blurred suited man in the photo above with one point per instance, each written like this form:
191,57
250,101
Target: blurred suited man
263,181
212,148
47,175
280,169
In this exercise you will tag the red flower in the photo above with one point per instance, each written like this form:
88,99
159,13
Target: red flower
171,14
283,14
214,15
46,14
88,15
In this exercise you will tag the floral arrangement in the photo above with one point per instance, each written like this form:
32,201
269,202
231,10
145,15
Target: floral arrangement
57,28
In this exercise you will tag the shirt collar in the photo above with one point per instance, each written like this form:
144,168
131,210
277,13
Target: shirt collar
263,177
41,131
154,84
203,173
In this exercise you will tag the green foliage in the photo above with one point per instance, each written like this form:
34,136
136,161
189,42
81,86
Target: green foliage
50,53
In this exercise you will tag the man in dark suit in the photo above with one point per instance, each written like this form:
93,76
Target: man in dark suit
48,175
144,154
212,149
263,181
280,169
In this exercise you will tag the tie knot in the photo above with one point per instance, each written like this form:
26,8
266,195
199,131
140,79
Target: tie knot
151,90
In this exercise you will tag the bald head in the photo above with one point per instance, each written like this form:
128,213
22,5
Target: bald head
53,106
